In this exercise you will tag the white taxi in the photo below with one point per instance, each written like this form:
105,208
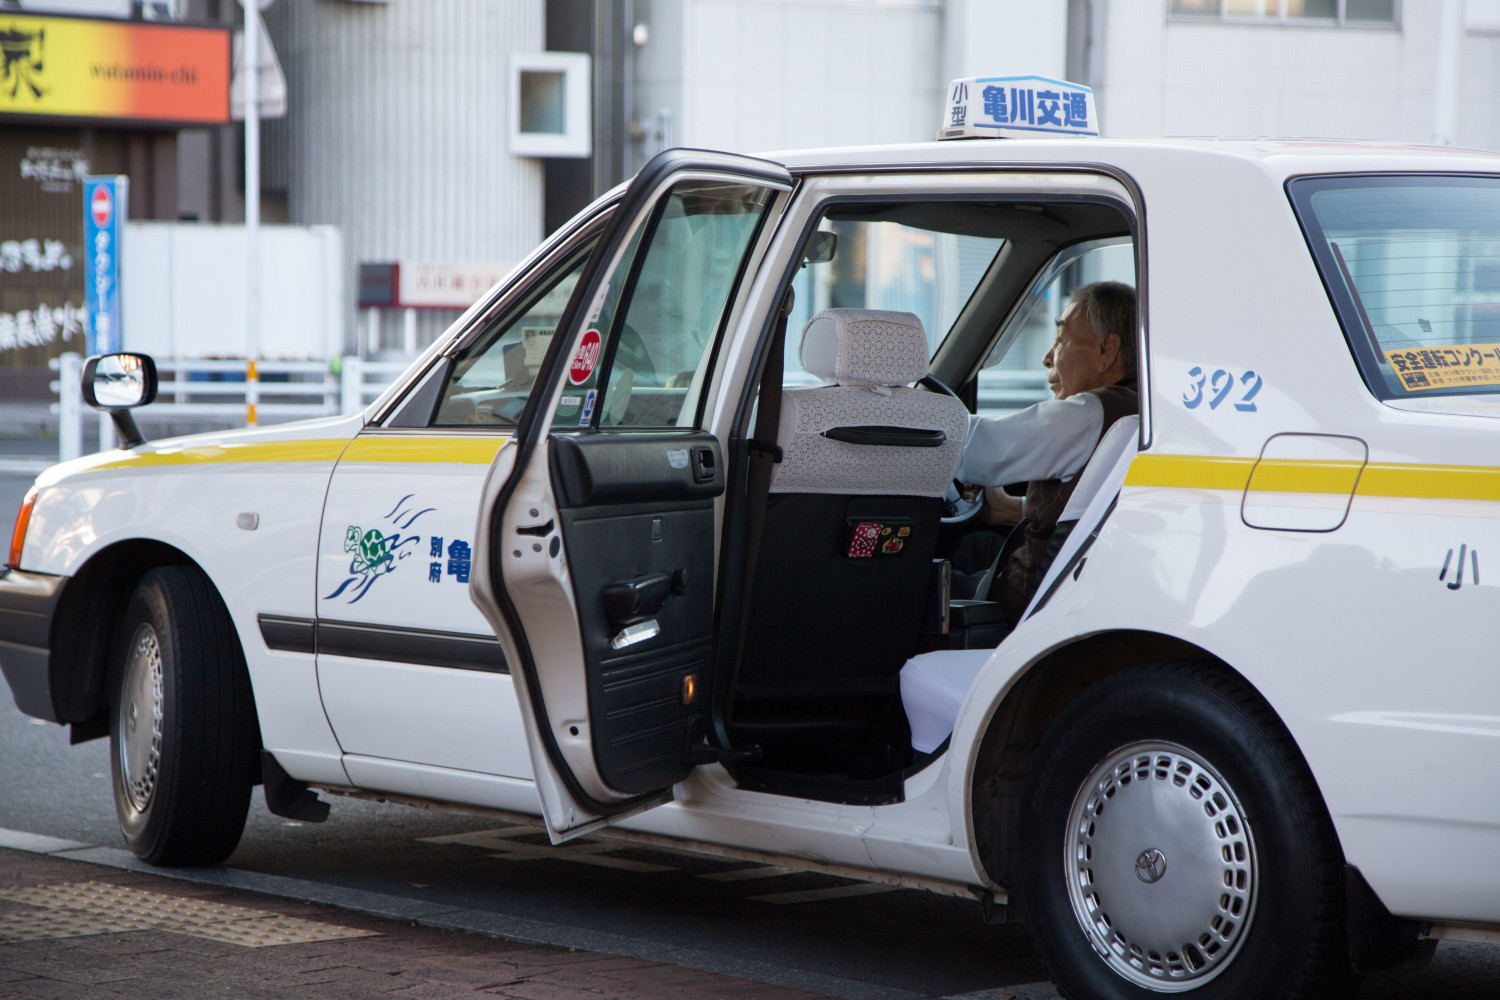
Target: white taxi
628,547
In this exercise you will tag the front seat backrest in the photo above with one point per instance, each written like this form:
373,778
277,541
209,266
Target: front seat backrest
850,530
867,358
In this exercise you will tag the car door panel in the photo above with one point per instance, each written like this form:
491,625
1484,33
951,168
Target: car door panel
407,667
631,532
600,546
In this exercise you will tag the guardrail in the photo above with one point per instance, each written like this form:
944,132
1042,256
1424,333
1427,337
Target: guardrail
295,390
289,390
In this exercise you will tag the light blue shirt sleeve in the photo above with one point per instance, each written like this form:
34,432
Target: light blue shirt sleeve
1052,439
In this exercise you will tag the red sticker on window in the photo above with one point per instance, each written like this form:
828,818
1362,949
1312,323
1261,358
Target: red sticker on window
586,359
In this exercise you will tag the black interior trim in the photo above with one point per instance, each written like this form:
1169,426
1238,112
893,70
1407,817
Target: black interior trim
900,437
614,467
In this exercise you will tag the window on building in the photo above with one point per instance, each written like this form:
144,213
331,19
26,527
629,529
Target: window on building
1323,12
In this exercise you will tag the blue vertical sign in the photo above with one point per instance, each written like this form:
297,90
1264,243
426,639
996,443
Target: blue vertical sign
104,201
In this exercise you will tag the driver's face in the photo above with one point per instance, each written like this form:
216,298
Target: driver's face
1078,360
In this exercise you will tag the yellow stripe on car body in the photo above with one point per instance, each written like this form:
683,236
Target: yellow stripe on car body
1376,479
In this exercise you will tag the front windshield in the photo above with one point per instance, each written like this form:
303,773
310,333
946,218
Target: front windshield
906,264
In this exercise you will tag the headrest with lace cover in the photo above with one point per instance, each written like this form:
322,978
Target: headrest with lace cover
864,347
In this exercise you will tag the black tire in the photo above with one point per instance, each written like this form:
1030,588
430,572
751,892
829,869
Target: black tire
1180,759
181,794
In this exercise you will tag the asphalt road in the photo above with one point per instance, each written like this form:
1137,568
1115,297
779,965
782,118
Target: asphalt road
828,934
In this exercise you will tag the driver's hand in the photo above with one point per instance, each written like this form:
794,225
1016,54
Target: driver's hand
969,492
1000,508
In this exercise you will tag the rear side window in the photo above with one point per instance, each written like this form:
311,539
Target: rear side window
1413,267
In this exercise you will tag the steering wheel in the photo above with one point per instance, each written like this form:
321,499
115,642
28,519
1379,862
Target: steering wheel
956,510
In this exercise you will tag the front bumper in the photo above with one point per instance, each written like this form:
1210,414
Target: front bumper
28,603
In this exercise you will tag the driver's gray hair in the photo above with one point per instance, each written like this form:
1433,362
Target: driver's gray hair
1110,308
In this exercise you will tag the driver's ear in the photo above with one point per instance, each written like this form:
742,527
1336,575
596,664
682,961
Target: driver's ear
1109,351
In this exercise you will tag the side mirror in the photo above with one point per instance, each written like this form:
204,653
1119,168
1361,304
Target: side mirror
115,383
821,246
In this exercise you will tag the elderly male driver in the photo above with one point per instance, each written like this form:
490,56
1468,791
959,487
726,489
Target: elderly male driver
1091,369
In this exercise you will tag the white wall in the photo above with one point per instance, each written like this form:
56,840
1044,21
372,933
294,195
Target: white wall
760,75
1004,38
1165,76
183,290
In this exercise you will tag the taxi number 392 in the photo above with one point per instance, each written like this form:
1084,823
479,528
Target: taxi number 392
1220,385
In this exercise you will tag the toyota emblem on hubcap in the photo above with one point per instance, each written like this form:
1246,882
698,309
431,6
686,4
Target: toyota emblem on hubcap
1150,866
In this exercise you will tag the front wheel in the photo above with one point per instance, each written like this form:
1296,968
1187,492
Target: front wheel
1176,843
183,737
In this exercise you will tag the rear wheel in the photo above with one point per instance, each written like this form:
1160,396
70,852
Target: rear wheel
184,742
1176,843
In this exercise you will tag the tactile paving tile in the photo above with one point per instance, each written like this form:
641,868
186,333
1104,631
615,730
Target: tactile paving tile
81,909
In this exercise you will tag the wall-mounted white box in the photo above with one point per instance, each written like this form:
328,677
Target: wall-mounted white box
550,113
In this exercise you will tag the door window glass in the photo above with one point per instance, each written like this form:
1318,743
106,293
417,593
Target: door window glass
1413,265
662,310
1013,376
490,380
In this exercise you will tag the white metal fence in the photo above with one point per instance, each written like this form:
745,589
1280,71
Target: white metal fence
294,390
215,391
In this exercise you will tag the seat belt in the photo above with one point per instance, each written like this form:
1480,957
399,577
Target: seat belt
764,454
1014,539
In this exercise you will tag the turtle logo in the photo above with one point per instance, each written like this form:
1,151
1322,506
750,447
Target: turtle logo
374,554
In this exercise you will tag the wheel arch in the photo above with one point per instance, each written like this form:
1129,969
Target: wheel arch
83,628
1020,718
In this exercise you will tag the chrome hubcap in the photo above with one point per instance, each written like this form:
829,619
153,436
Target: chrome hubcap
140,719
1161,866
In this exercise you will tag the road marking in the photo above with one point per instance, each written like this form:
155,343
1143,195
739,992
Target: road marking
740,874
837,892
498,837
584,850
89,908
1021,991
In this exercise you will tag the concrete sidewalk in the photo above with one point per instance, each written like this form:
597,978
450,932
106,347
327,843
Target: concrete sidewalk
84,932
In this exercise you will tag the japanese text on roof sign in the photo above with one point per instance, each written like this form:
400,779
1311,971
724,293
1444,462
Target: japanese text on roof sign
1064,108
1446,367
1018,107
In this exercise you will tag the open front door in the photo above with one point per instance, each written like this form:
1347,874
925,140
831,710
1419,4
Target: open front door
596,540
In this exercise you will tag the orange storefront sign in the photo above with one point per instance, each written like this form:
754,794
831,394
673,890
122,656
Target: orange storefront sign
82,68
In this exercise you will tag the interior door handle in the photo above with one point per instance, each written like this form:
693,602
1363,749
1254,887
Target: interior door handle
704,465
630,601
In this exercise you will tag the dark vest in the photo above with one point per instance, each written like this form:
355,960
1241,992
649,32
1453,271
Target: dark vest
1045,501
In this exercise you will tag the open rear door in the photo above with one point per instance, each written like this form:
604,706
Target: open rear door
596,540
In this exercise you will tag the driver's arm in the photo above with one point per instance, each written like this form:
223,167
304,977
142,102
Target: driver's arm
1002,510
1052,439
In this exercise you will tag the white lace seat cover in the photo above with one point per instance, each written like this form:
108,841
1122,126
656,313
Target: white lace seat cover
867,357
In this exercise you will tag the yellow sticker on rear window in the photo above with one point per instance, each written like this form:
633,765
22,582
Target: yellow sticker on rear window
1455,366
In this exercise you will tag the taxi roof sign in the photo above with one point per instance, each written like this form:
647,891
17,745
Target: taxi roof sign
1017,107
